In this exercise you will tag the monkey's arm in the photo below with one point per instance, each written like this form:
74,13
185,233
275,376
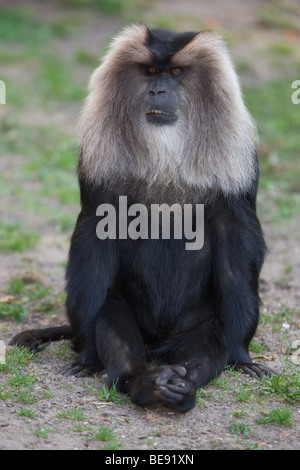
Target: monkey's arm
237,261
91,272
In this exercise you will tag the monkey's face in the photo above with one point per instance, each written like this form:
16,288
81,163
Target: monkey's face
167,105
162,93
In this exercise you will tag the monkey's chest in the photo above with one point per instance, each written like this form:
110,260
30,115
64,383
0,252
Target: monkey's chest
159,278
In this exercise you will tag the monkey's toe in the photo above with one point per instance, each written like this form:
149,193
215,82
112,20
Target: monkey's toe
255,370
78,370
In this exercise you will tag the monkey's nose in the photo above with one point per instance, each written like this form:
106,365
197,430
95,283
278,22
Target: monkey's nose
156,92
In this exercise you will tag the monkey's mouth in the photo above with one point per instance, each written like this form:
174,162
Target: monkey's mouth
160,117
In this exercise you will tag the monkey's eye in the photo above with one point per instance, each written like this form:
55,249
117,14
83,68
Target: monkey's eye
152,70
176,71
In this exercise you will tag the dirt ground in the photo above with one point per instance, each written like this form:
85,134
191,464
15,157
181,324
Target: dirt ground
208,425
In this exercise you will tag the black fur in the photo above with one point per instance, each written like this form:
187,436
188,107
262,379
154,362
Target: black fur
129,301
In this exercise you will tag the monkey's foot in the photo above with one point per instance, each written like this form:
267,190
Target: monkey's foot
79,370
255,370
167,385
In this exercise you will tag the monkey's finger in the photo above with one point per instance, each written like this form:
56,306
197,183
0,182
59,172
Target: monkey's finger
165,376
180,370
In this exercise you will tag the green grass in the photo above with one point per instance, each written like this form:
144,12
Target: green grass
14,238
32,290
13,309
19,384
240,428
25,294
20,26
109,7
279,122
55,80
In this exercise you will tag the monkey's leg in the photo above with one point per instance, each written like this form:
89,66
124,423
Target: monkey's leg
121,349
90,273
34,339
237,262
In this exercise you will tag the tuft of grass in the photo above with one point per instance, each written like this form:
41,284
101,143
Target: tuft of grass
75,414
256,347
110,394
285,385
106,434
26,412
280,416
42,432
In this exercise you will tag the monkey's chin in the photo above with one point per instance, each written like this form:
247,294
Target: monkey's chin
161,119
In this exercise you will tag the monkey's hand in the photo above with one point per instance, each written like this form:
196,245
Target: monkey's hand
168,385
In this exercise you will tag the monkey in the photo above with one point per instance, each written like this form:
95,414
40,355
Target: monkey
164,123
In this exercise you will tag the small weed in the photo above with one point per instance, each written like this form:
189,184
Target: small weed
240,428
239,413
